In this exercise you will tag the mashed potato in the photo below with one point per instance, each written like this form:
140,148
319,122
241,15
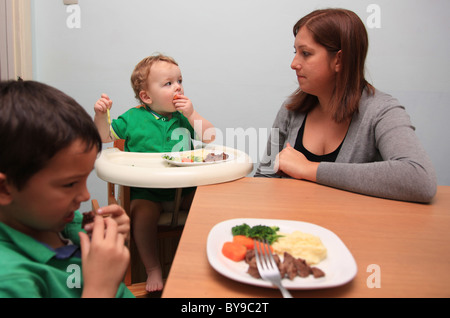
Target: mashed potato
301,245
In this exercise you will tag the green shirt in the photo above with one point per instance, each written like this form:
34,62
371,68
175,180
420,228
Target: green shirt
30,269
147,131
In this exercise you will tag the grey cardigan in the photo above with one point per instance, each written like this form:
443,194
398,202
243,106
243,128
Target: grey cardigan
381,154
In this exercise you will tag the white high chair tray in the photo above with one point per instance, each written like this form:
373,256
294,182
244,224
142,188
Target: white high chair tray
150,170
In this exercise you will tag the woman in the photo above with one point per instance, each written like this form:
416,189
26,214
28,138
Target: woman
337,129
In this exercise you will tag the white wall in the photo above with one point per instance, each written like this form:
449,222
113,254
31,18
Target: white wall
235,58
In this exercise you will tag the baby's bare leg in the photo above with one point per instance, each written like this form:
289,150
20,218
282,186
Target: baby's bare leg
144,218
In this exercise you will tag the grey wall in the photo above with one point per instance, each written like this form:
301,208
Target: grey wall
235,58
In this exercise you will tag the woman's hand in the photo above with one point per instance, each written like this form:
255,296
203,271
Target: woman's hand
104,258
294,164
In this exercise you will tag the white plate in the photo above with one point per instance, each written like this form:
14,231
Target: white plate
339,266
184,154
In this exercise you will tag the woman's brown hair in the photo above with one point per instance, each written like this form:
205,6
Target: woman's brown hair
337,30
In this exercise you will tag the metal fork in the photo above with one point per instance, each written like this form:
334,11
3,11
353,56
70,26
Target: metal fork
267,267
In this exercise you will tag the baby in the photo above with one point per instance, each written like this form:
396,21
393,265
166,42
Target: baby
165,122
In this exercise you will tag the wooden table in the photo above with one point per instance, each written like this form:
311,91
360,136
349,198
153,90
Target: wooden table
410,242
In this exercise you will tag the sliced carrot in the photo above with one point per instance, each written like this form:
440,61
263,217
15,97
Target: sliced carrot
234,251
244,240
263,248
186,160
176,97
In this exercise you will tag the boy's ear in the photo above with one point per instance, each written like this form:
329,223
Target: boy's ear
5,194
143,95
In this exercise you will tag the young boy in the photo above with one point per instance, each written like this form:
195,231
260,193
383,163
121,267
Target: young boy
165,122
48,147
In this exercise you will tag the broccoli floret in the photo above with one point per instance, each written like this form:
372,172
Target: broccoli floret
261,232
240,230
264,233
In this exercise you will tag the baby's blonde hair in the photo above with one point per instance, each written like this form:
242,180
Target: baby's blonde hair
142,71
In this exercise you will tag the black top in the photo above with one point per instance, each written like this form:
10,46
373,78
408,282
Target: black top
330,157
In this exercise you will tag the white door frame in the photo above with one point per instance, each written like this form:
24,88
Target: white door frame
15,40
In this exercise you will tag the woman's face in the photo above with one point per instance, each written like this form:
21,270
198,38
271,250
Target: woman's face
316,70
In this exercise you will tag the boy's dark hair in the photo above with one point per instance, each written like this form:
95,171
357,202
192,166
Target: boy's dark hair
36,122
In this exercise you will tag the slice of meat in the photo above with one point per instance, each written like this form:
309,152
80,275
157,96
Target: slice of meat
88,217
211,157
317,272
290,267
303,269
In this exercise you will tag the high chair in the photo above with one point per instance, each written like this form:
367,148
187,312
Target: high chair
170,227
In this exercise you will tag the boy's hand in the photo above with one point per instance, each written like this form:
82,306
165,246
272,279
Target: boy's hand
103,104
104,258
183,105
117,213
